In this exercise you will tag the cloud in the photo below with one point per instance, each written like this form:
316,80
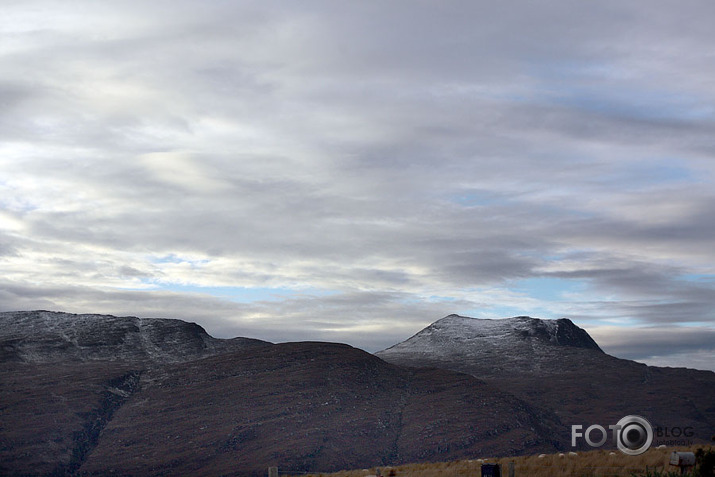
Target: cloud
660,346
383,163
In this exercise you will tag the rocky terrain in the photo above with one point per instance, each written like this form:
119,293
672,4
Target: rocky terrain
105,395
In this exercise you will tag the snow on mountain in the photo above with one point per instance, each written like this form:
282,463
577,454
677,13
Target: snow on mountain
521,343
45,336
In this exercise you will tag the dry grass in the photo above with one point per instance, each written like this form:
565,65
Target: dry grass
597,463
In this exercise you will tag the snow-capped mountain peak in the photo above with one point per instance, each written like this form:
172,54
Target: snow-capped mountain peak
523,343
458,329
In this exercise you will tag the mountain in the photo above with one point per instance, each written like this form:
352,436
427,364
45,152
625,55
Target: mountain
520,345
555,365
44,336
63,376
98,395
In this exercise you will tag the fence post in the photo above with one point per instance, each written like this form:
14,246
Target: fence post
273,472
511,469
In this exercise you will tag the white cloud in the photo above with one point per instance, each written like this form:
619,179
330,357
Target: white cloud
176,168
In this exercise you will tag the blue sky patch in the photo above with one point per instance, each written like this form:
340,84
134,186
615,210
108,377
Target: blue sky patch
547,288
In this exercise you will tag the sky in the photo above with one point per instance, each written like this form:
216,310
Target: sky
353,171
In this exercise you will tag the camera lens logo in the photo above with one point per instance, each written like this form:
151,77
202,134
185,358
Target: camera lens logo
634,435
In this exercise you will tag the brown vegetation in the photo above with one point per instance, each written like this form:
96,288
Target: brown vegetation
596,463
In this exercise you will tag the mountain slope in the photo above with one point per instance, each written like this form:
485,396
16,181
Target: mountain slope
51,414
555,365
309,406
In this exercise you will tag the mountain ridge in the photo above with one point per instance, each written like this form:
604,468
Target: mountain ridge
43,336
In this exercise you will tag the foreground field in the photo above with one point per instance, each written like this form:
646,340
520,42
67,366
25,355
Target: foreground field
597,463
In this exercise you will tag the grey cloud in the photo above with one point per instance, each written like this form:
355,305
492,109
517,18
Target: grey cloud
673,312
656,344
410,148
